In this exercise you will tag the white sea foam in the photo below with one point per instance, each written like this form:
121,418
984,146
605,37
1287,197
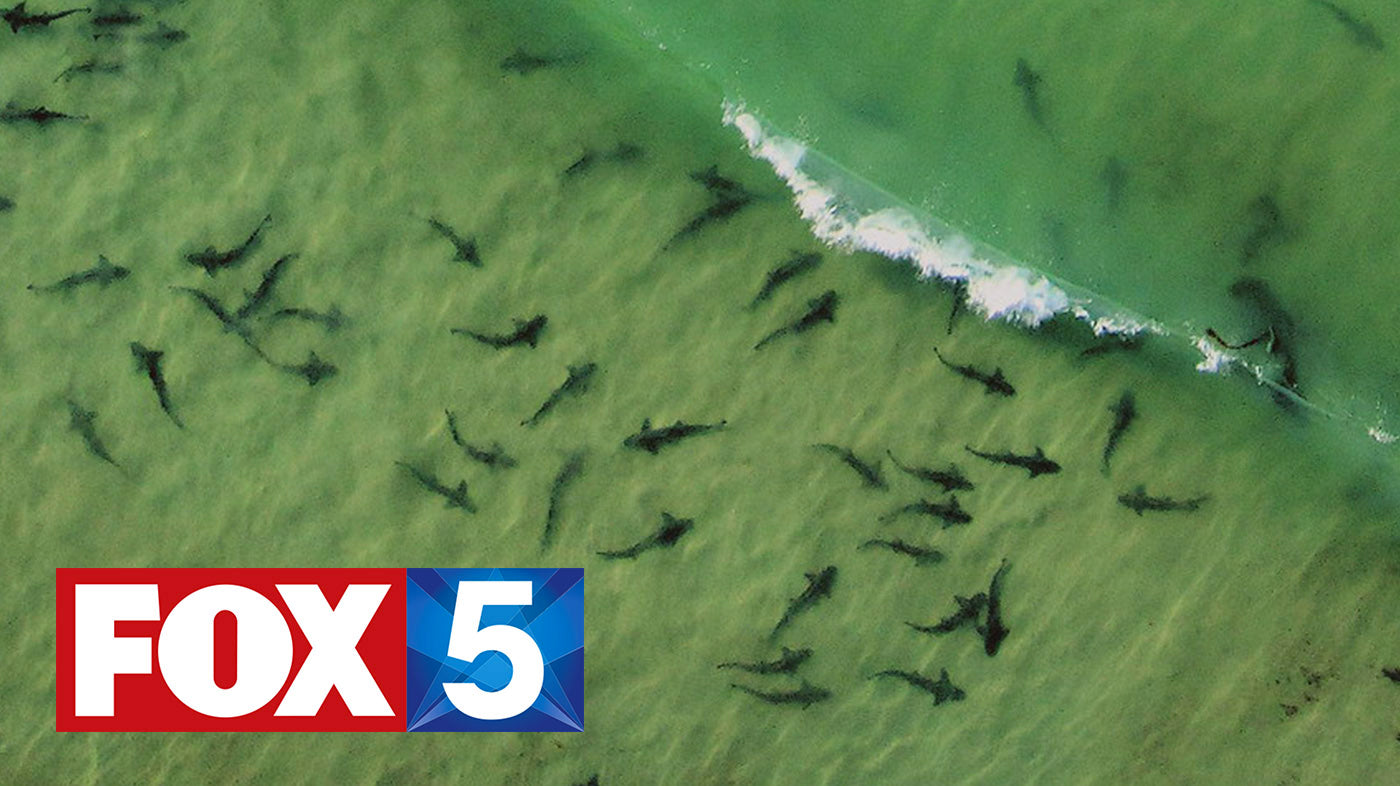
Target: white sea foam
1119,324
1214,360
1016,295
996,288
848,213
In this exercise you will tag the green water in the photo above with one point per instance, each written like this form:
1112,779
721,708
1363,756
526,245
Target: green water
1241,643
1195,111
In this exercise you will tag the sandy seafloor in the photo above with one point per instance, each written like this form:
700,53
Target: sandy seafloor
1239,644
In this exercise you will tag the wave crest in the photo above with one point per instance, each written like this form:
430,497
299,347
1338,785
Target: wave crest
853,215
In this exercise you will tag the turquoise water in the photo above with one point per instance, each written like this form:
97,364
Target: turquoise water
1243,642
1180,147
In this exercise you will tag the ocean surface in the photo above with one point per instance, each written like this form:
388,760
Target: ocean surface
1074,167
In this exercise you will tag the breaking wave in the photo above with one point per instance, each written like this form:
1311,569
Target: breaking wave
847,212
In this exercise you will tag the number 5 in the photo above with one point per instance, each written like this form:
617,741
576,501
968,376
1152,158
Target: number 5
468,640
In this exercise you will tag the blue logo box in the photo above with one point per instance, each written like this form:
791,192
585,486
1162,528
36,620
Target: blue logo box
495,649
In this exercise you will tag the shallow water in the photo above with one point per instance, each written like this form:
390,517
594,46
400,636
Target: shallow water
1241,643
1163,151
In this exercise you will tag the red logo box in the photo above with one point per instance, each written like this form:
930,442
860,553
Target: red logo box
298,649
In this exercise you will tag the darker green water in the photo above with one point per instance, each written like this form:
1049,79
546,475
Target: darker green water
1239,643
1153,154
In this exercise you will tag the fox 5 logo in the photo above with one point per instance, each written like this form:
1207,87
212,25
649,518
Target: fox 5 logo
319,650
